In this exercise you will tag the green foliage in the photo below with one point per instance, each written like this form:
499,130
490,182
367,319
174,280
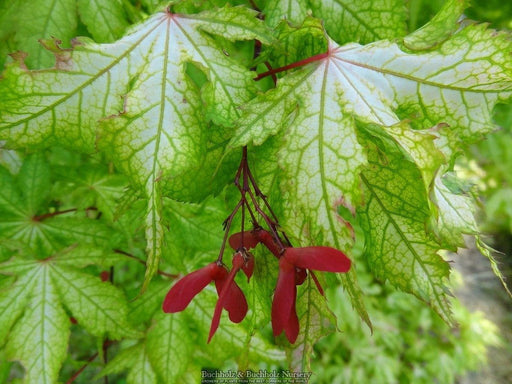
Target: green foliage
119,147
409,344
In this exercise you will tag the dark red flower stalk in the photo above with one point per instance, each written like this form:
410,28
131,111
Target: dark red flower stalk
327,259
182,293
225,295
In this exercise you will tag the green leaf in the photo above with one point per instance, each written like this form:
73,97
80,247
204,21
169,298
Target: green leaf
455,211
169,346
190,222
39,338
82,256
380,84
105,20
320,153
136,361
293,11
398,249
439,28
154,235
44,232
363,21
143,309
43,19
34,182
263,284
160,137
33,316
418,145
152,5
98,306
65,104
297,42
13,302
91,186
10,196
11,160
141,371
7,11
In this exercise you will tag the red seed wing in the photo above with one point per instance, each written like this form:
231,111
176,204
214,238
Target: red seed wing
325,259
284,296
250,241
235,302
215,320
232,298
180,295
266,238
248,267
292,328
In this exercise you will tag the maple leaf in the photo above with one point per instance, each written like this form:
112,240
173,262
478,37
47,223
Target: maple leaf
90,185
32,314
397,247
439,28
363,21
455,211
315,109
26,219
345,20
43,19
105,20
293,11
160,138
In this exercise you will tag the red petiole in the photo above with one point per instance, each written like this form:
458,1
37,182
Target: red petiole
297,64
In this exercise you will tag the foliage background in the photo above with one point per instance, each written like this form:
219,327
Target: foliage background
409,343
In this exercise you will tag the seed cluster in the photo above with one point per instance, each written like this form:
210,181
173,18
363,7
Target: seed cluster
294,264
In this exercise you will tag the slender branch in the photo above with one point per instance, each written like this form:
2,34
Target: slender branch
52,214
105,357
121,252
260,194
227,226
57,213
77,373
267,220
89,361
106,342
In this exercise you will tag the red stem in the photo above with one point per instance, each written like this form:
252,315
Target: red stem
318,285
56,213
121,252
227,226
77,373
89,360
269,67
299,63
